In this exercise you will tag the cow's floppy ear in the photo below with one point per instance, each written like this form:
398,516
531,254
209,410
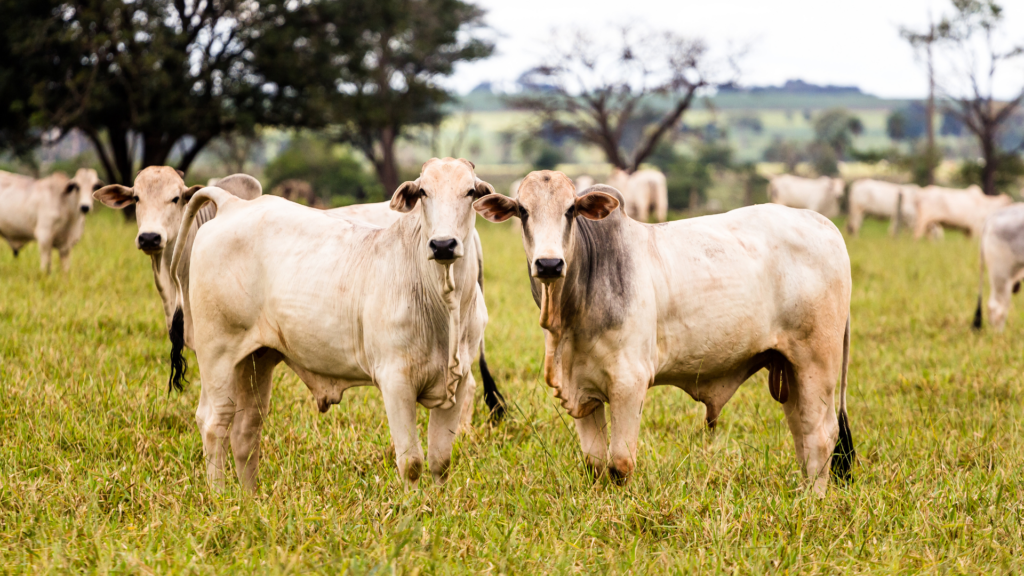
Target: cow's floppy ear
483,188
496,207
180,173
406,196
596,205
115,196
187,195
71,187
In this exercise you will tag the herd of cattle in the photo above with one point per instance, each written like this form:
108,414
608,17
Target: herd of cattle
391,295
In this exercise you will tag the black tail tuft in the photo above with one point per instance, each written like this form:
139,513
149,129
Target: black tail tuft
178,364
495,401
977,316
844,454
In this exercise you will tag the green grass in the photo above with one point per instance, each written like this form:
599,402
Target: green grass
101,470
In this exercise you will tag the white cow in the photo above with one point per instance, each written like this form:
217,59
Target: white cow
819,194
343,304
645,193
381,214
963,209
1002,252
701,304
50,211
583,182
160,197
882,200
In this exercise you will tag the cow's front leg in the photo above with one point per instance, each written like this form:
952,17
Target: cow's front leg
592,430
626,405
444,425
65,258
400,405
45,239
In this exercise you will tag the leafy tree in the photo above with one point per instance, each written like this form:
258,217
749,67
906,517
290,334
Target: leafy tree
785,151
836,127
600,89
335,175
907,123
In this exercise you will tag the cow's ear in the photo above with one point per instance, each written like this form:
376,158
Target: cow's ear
482,189
406,196
596,205
181,174
187,194
496,207
115,196
71,187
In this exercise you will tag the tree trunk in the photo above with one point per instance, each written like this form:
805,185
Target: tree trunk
988,171
930,114
386,165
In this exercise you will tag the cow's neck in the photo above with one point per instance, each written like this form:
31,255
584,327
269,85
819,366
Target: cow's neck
446,285
161,274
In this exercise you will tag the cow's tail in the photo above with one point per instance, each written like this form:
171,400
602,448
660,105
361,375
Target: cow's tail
177,332
844,453
981,283
492,397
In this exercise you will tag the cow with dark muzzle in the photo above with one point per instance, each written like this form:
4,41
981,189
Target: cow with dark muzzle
701,304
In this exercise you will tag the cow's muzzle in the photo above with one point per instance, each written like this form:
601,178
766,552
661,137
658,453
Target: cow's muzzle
444,250
149,242
548,268
84,209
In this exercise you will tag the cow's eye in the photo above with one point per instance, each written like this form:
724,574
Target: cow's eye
96,187
472,192
523,214
422,193
175,199
570,212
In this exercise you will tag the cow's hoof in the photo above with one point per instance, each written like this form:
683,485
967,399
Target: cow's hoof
620,471
413,469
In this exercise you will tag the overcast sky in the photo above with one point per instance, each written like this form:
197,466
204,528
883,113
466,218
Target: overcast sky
820,41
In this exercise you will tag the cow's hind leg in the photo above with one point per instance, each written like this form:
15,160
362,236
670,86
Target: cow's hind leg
217,407
592,430
253,383
810,413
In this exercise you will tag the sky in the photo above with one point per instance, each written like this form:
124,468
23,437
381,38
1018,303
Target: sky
819,41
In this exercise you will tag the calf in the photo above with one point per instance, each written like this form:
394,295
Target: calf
819,194
701,304
160,197
1002,252
963,209
50,211
343,304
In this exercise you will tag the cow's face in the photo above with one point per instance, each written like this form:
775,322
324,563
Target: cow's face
159,195
85,182
547,205
445,192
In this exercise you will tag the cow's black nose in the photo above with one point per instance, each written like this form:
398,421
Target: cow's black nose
549,267
84,209
149,241
444,249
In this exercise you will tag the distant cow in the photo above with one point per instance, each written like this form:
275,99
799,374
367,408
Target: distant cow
963,209
50,211
381,214
1002,252
701,304
343,304
160,196
584,181
297,191
819,194
645,193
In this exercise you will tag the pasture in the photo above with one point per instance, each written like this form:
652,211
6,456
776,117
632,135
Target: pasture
101,470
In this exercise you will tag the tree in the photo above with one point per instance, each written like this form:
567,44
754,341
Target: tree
836,127
925,41
388,82
975,53
598,90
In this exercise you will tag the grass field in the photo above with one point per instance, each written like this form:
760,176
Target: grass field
101,470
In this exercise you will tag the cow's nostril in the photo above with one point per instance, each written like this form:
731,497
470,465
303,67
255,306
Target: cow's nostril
443,249
549,267
149,241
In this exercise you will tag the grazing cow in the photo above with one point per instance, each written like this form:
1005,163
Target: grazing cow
645,192
297,190
963,209
701,304
381,214
819,194
882,200
1002,251
343,304
160,196
50,211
